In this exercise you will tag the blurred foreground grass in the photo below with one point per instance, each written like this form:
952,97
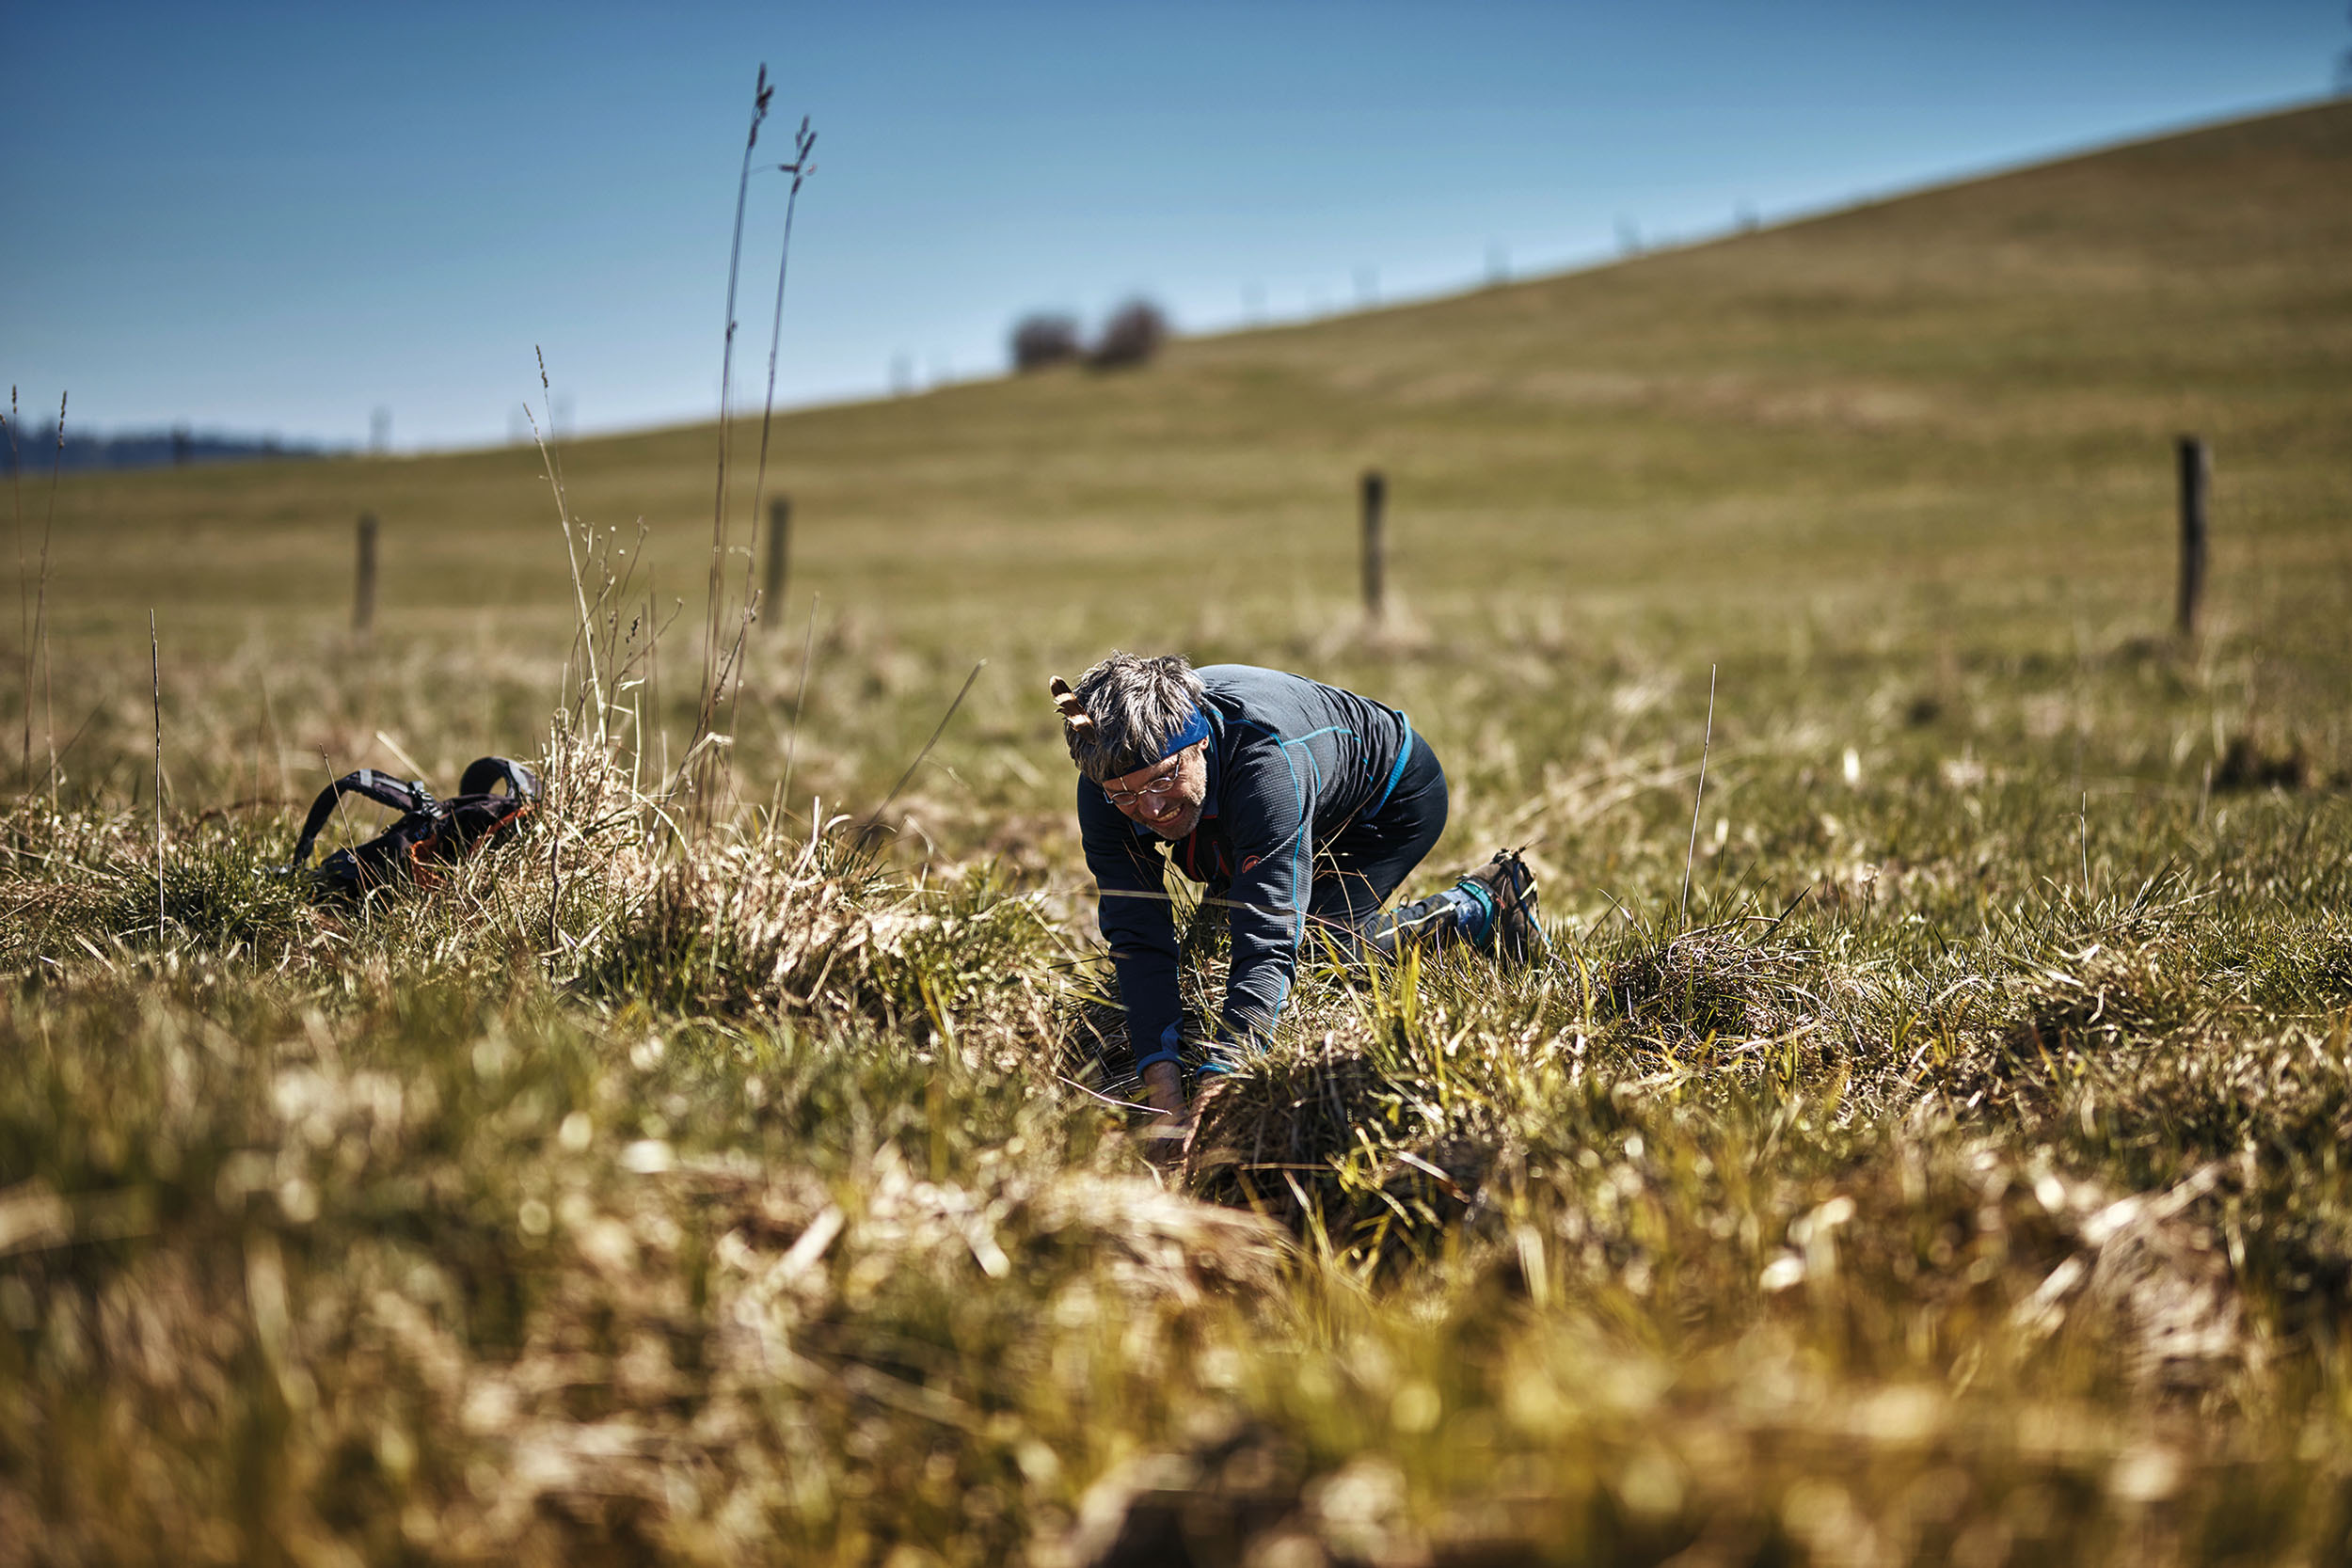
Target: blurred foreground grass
713,1195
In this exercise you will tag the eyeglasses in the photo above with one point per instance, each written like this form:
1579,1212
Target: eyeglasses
1154,791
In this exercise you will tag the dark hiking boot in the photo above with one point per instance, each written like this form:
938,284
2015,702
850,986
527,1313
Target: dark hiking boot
1507,888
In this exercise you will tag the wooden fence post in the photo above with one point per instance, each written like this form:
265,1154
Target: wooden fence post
2196,474
779,542
363,598
1375,552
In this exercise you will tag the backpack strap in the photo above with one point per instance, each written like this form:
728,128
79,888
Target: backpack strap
483,774
402,795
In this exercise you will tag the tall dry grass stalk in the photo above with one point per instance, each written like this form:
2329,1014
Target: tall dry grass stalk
23,589
800,169
155,668
700,756
1699,798
870,836
35,627
705,767
592,697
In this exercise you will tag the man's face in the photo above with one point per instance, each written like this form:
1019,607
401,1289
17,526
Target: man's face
1168,796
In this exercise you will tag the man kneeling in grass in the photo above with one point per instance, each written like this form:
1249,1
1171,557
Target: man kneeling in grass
1301,806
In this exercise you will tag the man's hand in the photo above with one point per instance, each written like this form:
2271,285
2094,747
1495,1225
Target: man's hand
1164,1091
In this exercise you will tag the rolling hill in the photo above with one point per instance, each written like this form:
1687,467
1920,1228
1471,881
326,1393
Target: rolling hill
1972,371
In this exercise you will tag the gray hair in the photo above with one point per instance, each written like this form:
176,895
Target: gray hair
1136,705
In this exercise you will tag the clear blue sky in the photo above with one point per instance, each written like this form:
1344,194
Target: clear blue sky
261,218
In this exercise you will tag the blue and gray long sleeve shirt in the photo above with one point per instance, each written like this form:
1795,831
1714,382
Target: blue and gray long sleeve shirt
1291,763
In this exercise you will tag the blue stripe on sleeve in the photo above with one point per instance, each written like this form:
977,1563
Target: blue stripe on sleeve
1402,751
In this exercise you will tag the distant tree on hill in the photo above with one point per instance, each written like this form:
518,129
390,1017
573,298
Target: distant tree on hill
1133,334
1044,339
173,447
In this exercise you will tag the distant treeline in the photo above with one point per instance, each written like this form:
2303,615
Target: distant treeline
36,449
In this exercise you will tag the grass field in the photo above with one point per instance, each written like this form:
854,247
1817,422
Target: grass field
683,1184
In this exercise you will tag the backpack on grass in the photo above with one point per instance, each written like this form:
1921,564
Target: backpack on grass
430,831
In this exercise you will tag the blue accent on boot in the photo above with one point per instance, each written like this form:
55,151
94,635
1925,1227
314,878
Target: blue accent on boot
1474,911
1223,1057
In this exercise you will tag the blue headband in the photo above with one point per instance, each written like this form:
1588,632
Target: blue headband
1195,730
